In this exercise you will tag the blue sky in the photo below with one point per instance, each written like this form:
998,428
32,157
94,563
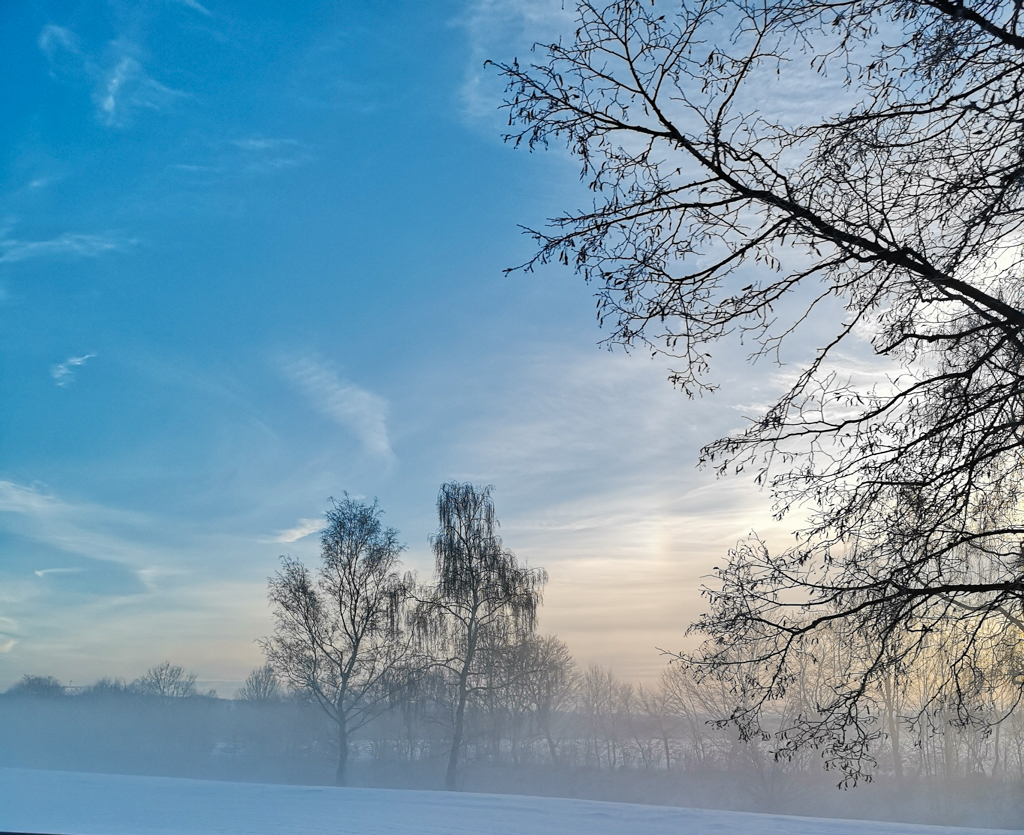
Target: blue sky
251,257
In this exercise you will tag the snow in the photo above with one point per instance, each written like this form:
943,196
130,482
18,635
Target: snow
103,804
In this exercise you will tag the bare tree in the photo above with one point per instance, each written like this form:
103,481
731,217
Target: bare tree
551,683
528,683
168,680
482,597
261,685
338,637
46,686
602,700
108,687
654,702
894,224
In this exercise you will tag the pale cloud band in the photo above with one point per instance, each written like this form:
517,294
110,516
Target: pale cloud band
90,530
44,572
70,243
300,531
83,619
196,7
362,412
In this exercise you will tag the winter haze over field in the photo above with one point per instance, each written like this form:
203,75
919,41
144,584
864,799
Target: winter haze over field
89,804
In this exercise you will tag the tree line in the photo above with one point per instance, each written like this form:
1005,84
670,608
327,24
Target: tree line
388,669
556,714
454,668
535,720
164,680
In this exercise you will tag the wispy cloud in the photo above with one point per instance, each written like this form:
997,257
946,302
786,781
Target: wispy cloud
499,30
70,243
53,39
196,7
348,405
144,586
64,372
265,154
43,572
256,143
247,156
114,81
121,84
126,86
300,531
8,638
85,529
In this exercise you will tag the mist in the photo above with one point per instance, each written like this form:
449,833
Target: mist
611,742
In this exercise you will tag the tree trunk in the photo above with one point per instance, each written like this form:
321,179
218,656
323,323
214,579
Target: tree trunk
453,755
995,752
460,711
339,778
889,695
948,752
544,718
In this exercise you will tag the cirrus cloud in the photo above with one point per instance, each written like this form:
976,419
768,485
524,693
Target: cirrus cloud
69,243
362,412
63,373
304,528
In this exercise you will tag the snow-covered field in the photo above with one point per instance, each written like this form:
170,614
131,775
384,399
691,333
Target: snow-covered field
101,804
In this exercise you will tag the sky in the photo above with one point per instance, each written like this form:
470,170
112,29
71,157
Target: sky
251,257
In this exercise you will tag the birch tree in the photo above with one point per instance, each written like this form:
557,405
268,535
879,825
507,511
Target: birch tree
338,636
482,599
